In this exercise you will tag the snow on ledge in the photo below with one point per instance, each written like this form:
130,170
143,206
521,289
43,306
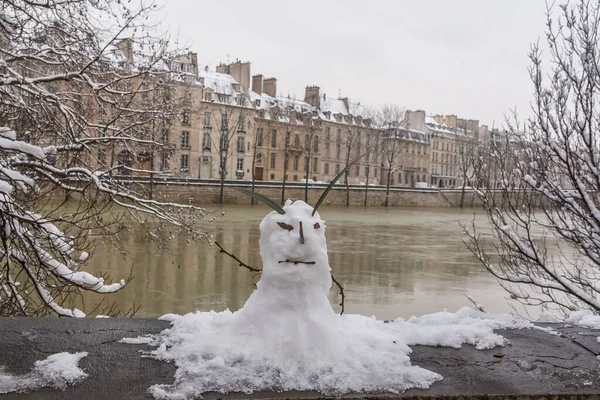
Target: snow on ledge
57,371
213,353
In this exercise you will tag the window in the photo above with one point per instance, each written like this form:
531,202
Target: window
272,176
328,133
185,162
206,141
102,157
259,159
164,162
306,161
338,150
274,138
326,168
273,160
207,123
337,169
259,137
315,165
327,149
185,140
297,140
307,143
241,144
295,178
185,118
164,137
357,170
296,162
240,164
102,130
339,135
224,121
241,124
455,159
223,142
316,145
208,96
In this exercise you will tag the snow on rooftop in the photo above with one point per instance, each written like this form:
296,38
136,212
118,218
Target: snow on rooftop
218,82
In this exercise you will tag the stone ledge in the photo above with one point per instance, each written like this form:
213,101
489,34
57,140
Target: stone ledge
537,365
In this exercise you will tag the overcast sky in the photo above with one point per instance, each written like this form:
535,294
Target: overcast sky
464,57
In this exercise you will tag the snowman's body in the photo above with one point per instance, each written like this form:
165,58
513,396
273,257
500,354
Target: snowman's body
290,300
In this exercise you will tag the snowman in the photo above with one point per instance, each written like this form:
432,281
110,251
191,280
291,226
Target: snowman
290,301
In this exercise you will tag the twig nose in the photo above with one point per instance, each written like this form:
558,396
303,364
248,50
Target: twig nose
301,233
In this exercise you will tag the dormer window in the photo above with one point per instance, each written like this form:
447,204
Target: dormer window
257,103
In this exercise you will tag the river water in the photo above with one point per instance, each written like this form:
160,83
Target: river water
394,262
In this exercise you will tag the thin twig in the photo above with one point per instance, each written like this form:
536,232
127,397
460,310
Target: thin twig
339,285
240,262
243,264
287,260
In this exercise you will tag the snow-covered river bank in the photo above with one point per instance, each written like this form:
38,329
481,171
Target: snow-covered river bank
393,263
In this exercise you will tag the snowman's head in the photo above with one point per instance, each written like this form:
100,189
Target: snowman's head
292,245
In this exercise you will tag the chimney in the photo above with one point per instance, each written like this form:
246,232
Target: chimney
451,121
222,68
240,71
415,120
257,84
126,46
194,60
270,86
312,96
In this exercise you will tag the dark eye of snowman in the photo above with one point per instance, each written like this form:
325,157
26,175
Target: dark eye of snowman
316,225
285,226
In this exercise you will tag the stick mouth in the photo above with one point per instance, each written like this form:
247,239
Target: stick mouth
296,262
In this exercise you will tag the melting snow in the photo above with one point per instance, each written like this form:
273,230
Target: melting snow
57,371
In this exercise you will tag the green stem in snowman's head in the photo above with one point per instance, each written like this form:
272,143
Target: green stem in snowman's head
276,207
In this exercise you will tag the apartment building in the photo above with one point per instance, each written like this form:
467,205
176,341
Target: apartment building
348,136
287,135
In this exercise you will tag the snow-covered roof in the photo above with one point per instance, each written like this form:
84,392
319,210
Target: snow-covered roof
267,103
435,126
218,82
407,134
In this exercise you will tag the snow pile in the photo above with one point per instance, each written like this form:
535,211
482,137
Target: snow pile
352,353
57,371
584,319
287,336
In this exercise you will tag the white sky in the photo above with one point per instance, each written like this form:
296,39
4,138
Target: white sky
464,57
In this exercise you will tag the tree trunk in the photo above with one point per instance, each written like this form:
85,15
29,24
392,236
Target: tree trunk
366,186
253,178
151,193
285,170
307,171
462,194
221,190
387,188
346,177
